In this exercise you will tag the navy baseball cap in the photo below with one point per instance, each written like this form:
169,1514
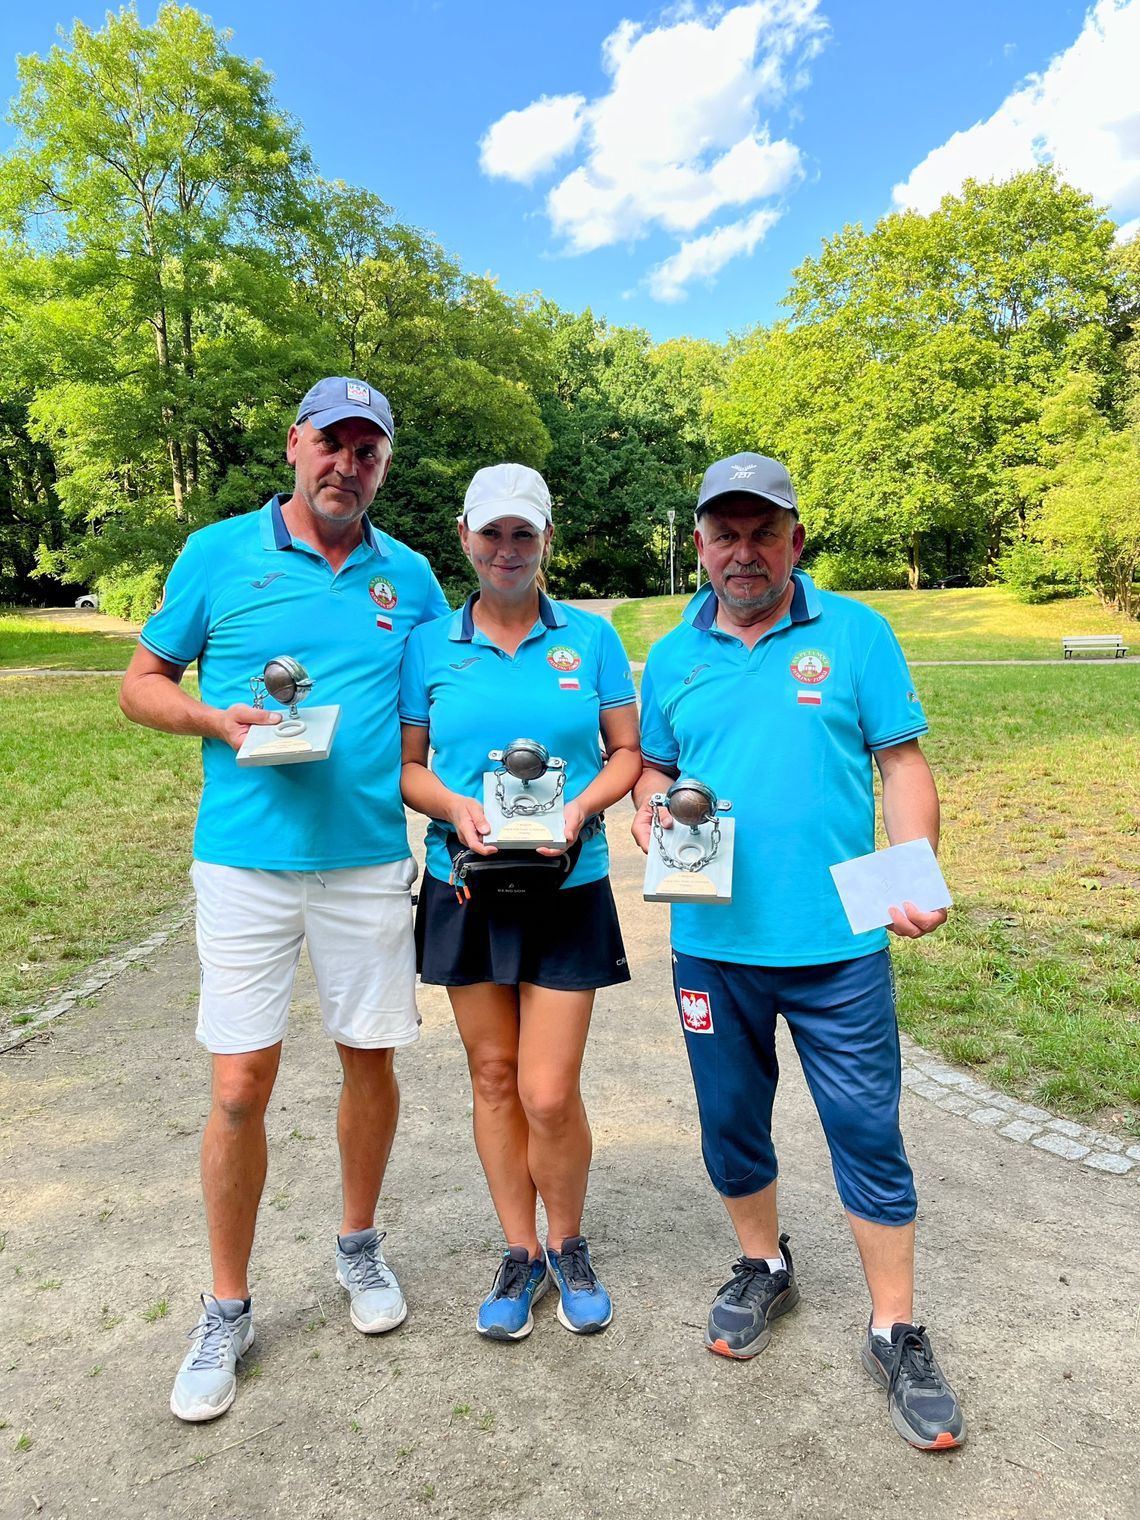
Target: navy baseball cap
336,398
750,474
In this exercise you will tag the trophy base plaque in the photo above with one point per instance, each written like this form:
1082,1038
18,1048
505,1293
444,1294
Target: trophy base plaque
265,744
518,832
712,883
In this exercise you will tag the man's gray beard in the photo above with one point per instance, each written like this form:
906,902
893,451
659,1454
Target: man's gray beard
752,603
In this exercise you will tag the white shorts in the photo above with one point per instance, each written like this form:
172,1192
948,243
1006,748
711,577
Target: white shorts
357,925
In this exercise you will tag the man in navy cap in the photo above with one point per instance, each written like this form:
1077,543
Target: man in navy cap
284,854
777,696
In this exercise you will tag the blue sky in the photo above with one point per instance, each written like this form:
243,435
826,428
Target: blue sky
670,168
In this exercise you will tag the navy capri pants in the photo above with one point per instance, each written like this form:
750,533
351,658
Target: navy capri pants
842,1019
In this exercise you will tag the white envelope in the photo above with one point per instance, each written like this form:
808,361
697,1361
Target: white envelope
870,885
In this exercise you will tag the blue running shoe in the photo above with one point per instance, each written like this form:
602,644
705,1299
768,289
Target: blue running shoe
583,1304
504,1315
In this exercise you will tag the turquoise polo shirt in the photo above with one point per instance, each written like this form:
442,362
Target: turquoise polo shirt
785,731
473,697
245,590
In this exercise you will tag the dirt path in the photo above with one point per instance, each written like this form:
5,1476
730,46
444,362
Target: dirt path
1028,1274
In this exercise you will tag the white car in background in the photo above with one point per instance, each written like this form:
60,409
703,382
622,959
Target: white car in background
89,600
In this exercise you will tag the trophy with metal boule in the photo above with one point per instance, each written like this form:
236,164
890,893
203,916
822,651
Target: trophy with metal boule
522,797
692,861
294,738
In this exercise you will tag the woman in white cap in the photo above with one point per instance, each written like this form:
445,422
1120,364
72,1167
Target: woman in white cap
523,944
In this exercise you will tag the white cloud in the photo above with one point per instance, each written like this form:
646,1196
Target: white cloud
1082,114
678,138
702,258
523,144
1127,230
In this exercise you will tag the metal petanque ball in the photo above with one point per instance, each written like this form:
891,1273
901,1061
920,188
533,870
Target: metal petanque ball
526,760
691,802
288,682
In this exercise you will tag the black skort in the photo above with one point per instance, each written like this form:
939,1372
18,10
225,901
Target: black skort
568,940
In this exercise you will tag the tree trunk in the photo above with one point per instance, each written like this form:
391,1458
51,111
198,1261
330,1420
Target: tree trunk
912,561
174,447
188,370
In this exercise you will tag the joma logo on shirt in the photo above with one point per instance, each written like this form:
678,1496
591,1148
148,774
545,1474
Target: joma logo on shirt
463,664
694,673
267,580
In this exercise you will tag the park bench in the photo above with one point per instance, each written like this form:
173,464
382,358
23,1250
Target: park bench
1093,643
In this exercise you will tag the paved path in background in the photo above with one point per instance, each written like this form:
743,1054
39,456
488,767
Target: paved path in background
1029,1270
603,606
43,670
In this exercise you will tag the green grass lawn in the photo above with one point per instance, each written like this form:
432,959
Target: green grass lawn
27,642
98,819
985,624
1035,980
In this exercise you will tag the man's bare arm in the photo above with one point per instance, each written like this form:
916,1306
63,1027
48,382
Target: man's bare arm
910,811
151,694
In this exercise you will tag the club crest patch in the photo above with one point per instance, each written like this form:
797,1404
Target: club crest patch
382,592
358,392
811,666
564,659
696,1011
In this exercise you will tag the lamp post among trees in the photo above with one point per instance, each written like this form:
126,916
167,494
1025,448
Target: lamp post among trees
671,515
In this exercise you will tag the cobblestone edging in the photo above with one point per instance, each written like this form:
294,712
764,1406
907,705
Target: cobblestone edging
1020,1122
96,977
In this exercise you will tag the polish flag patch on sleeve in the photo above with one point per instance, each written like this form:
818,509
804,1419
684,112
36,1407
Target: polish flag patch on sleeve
809,699
569,683
383,621
696,1011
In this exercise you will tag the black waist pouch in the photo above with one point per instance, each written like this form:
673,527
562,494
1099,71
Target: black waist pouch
508,873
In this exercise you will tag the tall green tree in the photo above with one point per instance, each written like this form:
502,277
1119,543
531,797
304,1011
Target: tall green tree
150,167
906,387
628,424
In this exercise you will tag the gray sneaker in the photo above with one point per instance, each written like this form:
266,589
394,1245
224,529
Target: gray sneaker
740,1320
207,1380
375,1302
922,1405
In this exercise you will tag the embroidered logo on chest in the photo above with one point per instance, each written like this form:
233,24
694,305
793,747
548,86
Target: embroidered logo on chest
811,667
382,592
563,659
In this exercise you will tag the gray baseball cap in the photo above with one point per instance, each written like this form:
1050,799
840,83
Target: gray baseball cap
338,397
750,474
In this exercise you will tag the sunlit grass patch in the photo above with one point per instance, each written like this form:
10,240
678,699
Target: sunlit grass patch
1035,981
36,642
987,624
98,822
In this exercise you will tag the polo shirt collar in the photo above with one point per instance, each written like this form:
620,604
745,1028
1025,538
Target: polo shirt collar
701,610
462,627
275,533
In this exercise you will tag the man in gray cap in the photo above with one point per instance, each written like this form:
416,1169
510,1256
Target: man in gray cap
290,853
777,696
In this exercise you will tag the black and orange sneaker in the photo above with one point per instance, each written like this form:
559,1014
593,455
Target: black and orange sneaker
923,1407
740,1318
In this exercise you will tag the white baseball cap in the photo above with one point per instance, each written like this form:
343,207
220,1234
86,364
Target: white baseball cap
507,490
